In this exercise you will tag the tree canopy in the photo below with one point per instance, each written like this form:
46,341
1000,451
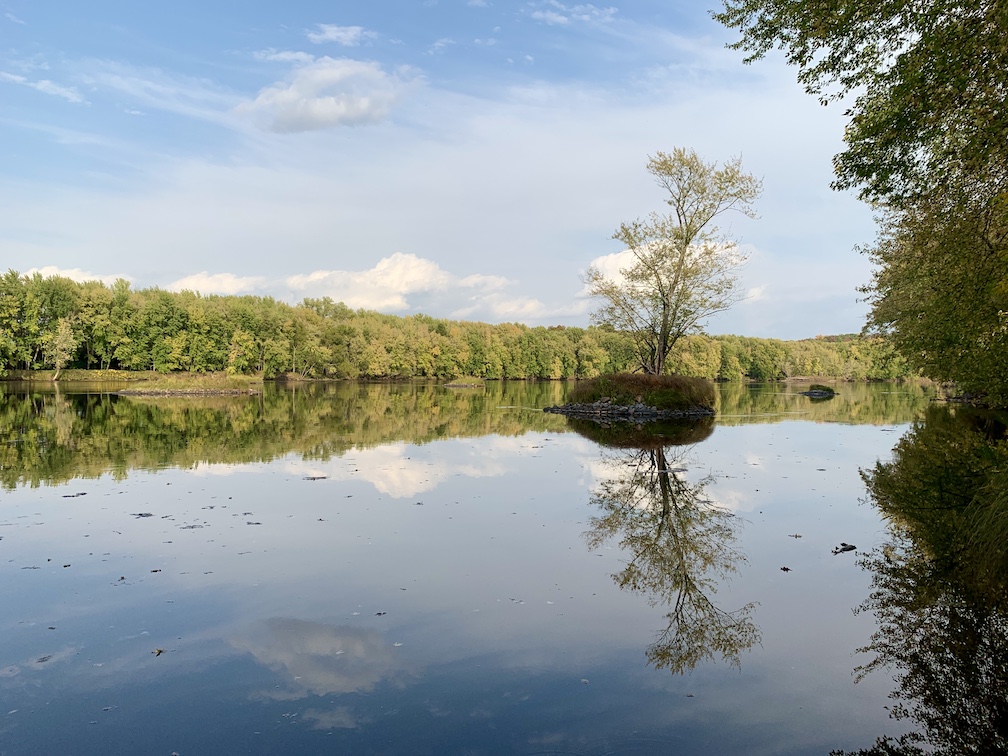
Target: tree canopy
928,79
681,268
927,142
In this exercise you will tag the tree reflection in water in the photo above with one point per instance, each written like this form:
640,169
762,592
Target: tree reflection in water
940,588
679,546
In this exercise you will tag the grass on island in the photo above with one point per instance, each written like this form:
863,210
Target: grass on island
196,383
466,381
666,392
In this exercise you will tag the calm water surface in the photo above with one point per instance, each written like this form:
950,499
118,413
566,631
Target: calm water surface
413,569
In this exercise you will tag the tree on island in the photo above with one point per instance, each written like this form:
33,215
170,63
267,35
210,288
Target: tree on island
681,267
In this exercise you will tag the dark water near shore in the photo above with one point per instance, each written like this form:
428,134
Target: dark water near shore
413,569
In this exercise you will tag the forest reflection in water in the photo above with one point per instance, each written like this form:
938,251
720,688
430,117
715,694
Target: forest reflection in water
940,585
50,436
472,530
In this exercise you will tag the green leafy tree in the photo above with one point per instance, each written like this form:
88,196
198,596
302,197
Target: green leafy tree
681,267
61,347
940,292
925,85
928,81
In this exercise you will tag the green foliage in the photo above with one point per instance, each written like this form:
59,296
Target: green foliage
928,81
669,392
926,143
940,292
117,328
681,269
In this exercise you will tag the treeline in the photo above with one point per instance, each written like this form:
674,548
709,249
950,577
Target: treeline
54,323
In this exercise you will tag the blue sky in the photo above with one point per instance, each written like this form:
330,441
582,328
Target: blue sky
461,158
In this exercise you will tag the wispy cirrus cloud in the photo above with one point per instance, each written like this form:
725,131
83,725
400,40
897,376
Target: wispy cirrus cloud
284,56
348,36
45,86
327,93
555,13
187,96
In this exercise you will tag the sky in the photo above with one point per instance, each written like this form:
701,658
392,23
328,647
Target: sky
466,159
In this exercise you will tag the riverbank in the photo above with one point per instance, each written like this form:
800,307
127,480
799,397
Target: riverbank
145,383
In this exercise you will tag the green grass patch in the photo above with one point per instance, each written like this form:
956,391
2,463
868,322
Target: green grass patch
666,392
466,381
197,382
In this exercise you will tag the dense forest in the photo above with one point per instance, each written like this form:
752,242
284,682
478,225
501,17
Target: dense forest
55,323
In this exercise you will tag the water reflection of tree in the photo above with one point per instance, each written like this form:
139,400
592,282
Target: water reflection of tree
939,589
680,545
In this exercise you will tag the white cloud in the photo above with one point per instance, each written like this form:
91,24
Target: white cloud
478,3
556,13
328,93
348,36
218,283
284,56
440,45
75,274
386,285
549,17
15,20
45,86
313,659
183,95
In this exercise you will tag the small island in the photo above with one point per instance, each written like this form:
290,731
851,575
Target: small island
819,391
638,398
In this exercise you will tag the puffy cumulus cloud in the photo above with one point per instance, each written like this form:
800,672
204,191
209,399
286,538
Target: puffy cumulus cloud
387,284
218,283
611,266
321,660
499,306
326,93
45,86
556,13
348,36
76,274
